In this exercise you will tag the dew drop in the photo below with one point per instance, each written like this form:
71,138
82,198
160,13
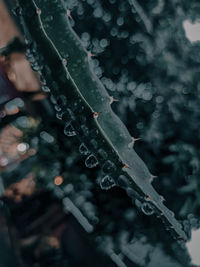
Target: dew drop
91,161
147,209
107,182
35,67
57,108
108,167
30,57
17,11
69,130
59,115
83,149
62,100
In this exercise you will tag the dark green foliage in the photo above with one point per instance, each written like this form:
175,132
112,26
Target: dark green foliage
87,104
155,76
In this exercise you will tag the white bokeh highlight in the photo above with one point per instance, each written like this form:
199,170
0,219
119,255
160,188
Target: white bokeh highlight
193,247
192,30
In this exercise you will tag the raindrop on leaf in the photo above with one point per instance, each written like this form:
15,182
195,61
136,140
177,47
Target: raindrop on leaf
147,209
108,167
91,161
69,130
62,100
57,108
83,149
59,115
107,182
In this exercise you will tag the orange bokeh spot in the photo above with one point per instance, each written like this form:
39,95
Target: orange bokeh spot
58,180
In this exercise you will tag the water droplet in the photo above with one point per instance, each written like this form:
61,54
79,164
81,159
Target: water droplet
43,80
57,108
107,182
35,67
62,100
83,149
69,130
27,41
102,154
59,115
30,58
109,167
17,11
147,209
91,161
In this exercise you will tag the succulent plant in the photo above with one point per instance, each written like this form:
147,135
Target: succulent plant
81,101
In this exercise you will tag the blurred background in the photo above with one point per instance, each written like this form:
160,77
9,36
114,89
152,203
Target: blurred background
52,210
